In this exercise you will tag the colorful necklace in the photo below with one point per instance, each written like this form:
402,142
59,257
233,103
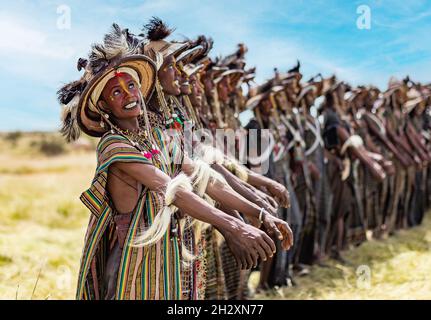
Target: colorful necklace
140,139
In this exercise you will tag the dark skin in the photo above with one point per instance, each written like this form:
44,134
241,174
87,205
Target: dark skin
126,180
196,95
184,84
196,100
234,201
208,83
169,76
265,107
197,92
223,88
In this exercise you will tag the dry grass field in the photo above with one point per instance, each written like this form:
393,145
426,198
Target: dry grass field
43,224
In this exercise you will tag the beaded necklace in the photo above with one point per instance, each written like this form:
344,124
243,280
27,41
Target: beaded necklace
141,140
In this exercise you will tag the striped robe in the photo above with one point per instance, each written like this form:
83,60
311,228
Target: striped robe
144,273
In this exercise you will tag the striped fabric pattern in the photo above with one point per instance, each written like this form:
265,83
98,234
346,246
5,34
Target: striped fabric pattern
145,273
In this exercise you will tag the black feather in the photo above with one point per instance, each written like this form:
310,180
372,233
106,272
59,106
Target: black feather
131,38
98,58
295,68
82,63
156,29
68,129
66,93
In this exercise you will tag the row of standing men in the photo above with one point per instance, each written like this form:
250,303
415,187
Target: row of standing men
354,160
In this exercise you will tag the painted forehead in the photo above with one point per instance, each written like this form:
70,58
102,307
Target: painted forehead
117,80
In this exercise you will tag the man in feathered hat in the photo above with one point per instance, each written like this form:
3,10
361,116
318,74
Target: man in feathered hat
133,243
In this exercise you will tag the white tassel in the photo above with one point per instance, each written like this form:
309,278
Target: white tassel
202,174
211,155
162,220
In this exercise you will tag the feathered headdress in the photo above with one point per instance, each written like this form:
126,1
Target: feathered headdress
116,43
295,68
156,30
68,96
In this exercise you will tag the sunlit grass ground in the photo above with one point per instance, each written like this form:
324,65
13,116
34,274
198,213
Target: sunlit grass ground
395,268
43,224
42,221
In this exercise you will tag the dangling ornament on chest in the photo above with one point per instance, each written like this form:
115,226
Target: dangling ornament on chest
174,122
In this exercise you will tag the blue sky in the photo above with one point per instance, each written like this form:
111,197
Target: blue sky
36,57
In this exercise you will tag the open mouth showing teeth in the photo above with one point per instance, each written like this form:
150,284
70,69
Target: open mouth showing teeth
131,105
185,83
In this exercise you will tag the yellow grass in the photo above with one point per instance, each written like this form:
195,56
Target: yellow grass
395,268
43,224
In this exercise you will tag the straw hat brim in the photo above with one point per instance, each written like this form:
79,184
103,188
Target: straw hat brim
191,69
254,101
234,74
88,120
190,55
411,104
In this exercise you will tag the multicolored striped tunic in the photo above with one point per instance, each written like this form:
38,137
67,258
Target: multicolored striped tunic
152,272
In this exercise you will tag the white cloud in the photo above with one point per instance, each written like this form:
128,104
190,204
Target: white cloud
20,37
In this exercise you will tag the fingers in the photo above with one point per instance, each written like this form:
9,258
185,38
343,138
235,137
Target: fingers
250,262
261,253
243,264
255,257
277,232
285,198
288,236
268,244
238,261
273,230
272,202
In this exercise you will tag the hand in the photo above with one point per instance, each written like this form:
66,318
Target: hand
280,193
265,197
280,229
267,206
248,244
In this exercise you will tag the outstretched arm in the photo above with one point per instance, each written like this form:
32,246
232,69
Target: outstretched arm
229,198
246,242
276,189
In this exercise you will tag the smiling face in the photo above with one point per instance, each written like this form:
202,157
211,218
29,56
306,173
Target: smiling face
169,77
121,97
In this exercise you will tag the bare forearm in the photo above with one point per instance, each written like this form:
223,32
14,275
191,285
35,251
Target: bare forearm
359,152
235,182
231,199
197,208
257,180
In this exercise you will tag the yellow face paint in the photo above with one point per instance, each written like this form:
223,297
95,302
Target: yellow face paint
123,85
